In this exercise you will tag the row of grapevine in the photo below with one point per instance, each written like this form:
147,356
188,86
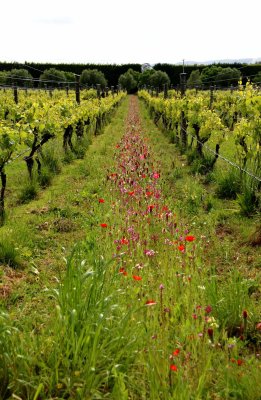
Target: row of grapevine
226,126
25,128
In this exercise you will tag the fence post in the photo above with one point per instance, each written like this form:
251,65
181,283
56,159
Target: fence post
15,94
77,89
183,118
98,86
211,97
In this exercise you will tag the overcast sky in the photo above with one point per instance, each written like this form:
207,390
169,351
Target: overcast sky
133,31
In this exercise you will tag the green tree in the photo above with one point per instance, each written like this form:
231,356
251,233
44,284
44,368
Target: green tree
158,79
194,79
144,78
228,76
52,78
93,77
257,78
19,77
128,82
209,74
3,76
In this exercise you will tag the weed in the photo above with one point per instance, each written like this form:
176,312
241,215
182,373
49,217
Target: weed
29,192
229,185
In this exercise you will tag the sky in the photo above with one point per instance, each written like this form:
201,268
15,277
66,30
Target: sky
134,31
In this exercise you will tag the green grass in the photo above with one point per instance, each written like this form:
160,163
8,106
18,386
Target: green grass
74,327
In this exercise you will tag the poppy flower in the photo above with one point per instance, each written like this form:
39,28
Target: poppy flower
244,314
176,352
240,362
131,193
137,277
123,271
181,247
101,200
173,367
104,225
150,303
124,241
190,238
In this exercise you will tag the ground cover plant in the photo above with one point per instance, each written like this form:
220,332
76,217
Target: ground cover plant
156,301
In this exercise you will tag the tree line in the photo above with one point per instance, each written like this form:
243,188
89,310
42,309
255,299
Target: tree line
130,76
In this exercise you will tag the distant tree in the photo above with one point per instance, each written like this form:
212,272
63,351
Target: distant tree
228,76
209,74
3,76
19,77
257,78
194,79
69,76
91,77
144,78
158,79
128,81
52,78
216,75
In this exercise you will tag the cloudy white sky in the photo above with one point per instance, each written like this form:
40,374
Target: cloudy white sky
133,31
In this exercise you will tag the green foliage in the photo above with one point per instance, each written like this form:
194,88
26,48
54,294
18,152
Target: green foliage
29,191
144,78
91,77
9,254
229,185
129,82
194,79
19,77
52,78
158,79
223,77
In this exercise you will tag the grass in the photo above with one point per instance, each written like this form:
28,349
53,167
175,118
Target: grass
137,284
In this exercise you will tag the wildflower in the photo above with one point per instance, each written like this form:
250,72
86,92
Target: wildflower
173,367
258,326
208,309
137,277
244,314
240,362
124,241
161,286
101,200
131,193
211,334
150,303
150,208
156,175
181,247
149,253
104,225
190,238
176,352
123,271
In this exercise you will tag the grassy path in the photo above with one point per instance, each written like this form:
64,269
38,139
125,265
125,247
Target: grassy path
139,308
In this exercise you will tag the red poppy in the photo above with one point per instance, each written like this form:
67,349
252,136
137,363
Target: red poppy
176,352
150,208
101,200
104,225
173,367
240,362
181,247
137,277
244,314
123,271
124,241
149,194
190,238
131,193
150,302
